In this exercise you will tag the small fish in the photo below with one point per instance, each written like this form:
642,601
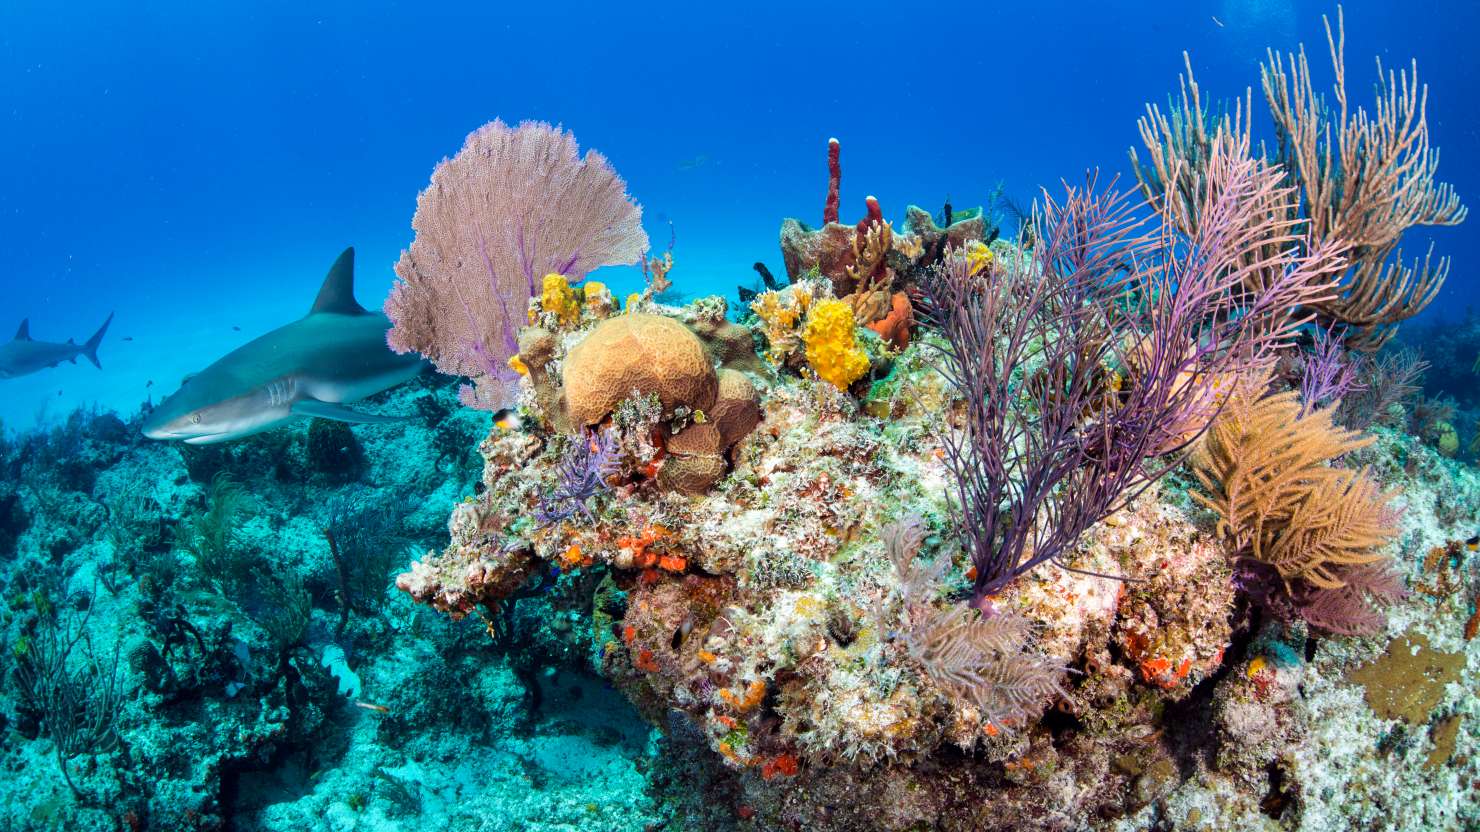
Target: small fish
149,383
380,709
128,337
684,628
1217,21
507,420
236,329
1473,543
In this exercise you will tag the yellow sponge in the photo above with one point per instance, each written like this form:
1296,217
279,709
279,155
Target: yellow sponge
832,348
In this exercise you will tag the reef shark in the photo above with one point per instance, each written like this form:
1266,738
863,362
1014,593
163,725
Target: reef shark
335,354
25,355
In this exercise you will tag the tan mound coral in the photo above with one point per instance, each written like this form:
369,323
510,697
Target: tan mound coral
696,460
697,454
736,408
648,353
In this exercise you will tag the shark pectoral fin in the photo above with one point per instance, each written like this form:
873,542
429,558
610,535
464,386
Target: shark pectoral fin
340,413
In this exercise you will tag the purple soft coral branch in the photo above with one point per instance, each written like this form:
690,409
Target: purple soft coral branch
592,458
1046,452
1328,375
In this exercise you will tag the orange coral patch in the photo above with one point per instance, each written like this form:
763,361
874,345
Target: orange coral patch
673,563
784,765
754,693
894,327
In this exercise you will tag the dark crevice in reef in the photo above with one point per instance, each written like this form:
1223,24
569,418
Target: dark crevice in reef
1278,798
1189,738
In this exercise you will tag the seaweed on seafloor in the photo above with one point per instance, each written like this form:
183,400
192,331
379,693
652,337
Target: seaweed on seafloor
589,461
209,537
362,545
285,611
134,528
1386,379
402,792
76,702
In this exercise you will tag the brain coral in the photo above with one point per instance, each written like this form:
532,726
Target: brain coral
647,353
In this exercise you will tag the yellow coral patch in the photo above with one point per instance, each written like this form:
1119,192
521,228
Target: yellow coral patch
832,348
978,257
560,300
808,606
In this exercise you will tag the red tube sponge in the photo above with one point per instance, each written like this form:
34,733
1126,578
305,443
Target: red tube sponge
834,181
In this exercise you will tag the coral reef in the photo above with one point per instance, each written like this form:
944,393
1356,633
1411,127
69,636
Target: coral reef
1106,527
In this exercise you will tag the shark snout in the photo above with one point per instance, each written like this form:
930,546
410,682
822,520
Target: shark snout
159,425
154,430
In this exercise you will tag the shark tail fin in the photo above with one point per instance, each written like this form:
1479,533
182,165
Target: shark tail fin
90,349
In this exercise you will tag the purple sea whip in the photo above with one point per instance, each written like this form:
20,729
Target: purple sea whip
1047,445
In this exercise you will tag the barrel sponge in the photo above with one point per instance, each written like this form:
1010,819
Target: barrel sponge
646,353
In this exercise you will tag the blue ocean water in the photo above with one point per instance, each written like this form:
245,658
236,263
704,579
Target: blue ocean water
196,167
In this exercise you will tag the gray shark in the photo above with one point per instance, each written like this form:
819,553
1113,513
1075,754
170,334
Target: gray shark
25,355
335,354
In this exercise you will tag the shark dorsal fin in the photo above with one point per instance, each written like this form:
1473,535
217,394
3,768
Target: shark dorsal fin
24,333
337,295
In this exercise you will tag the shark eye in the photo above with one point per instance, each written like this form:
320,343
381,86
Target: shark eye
195,418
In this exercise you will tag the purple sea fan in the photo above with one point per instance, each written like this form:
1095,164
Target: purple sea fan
589,461
1043,452
515,204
